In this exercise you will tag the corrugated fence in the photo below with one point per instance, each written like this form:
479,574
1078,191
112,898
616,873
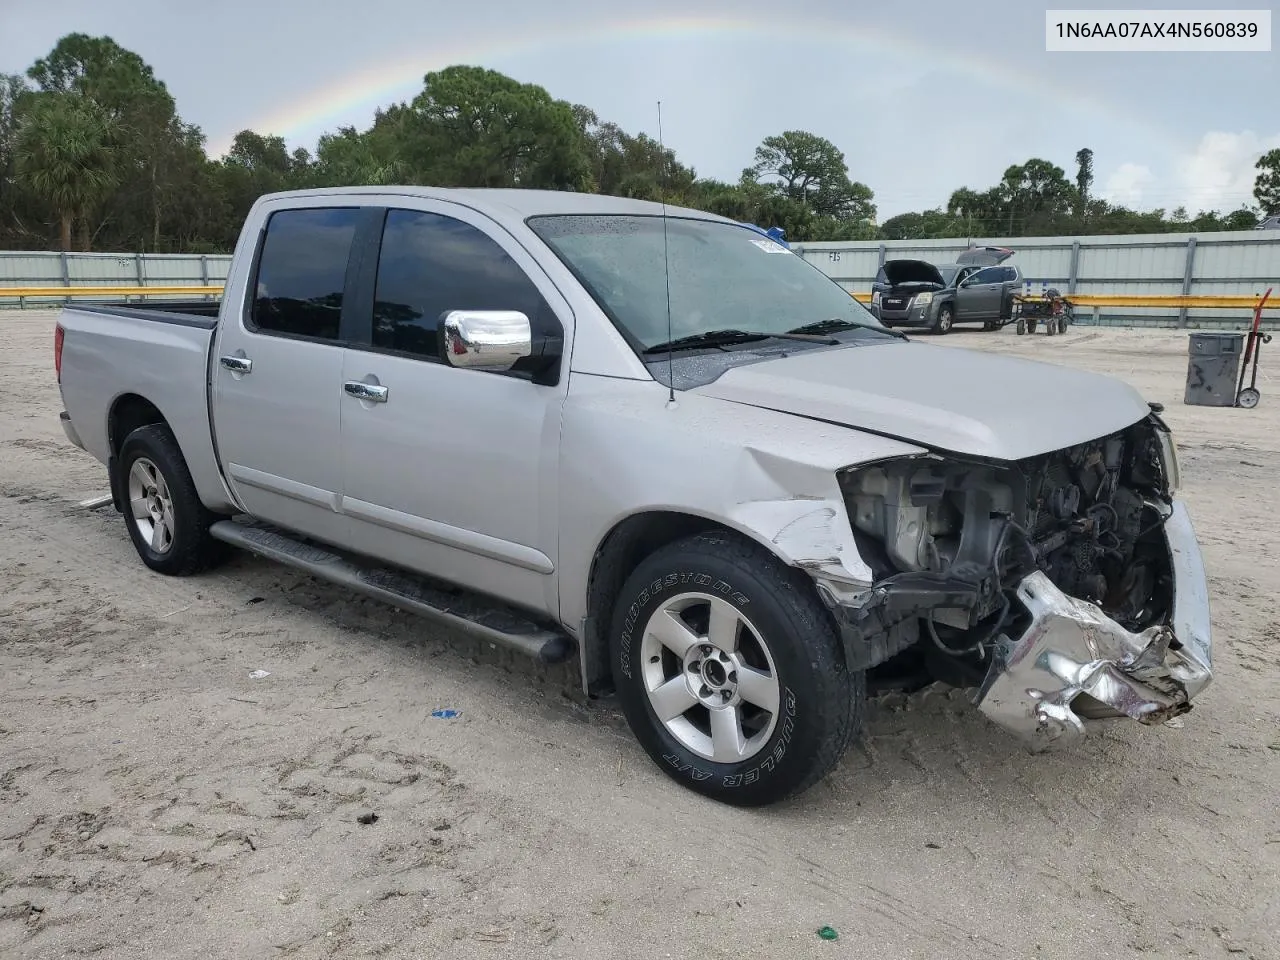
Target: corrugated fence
1236,264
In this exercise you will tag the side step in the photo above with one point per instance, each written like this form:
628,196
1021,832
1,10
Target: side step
436,601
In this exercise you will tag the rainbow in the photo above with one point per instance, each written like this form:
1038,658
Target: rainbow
398,79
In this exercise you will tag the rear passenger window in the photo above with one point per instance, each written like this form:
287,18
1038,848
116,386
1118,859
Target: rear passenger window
302,272
431,264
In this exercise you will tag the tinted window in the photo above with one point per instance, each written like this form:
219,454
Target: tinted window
1008,274
302,271
989,275
431,264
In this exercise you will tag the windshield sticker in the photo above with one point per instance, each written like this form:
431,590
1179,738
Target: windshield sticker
768,246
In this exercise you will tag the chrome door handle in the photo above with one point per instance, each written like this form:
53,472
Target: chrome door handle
366,391
238,364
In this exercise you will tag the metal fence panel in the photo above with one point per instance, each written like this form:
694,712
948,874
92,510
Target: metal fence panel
1240,263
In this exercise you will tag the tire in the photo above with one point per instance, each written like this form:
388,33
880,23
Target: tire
781,633
946,318
154,481
1248,398
1022,327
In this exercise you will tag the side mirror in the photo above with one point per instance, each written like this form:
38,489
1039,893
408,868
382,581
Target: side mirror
485,339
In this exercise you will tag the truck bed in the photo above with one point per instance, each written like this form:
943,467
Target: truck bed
113,355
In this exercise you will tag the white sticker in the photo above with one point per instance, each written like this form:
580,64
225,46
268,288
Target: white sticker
768,246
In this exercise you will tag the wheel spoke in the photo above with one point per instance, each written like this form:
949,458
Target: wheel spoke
727,744
758,688
157,536
722,630
672,699
671,632
140,475
138,507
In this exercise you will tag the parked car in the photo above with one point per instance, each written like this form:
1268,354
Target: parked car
977,288
665,446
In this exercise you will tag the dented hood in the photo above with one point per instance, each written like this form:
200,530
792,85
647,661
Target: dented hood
946,398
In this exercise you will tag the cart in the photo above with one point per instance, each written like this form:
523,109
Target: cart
1052,310
1249,396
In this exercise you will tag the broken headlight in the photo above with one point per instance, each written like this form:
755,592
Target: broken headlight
1169,458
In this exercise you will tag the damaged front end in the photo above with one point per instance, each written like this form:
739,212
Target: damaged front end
1064,587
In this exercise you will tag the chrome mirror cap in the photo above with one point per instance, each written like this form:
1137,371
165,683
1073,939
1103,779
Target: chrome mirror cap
486,339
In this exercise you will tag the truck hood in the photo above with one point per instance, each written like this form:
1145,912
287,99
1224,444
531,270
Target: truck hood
945,398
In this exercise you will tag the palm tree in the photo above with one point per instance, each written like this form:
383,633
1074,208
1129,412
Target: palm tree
63,155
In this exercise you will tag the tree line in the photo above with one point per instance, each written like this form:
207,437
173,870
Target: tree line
95,156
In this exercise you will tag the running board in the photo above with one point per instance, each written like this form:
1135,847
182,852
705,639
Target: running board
436,601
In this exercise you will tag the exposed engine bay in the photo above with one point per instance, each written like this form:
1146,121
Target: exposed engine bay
950,540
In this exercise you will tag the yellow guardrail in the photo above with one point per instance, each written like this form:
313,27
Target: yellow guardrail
36,293
1173,302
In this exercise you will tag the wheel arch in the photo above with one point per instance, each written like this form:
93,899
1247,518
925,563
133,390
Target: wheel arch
127,413
623,547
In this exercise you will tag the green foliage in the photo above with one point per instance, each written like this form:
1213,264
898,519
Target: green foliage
63,154
1266,188
94,153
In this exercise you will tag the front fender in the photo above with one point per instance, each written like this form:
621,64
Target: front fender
626,450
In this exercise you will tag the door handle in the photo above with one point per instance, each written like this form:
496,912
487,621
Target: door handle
238,364
366,391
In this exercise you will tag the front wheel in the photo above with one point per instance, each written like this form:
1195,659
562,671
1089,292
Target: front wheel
167,523
730,671
946,317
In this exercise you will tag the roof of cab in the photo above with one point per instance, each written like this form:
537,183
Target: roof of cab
506,203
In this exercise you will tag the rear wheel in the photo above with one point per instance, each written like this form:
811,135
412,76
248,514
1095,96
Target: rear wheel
730,671
167,523
1249,397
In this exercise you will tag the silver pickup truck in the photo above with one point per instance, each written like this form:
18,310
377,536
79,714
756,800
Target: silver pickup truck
656,441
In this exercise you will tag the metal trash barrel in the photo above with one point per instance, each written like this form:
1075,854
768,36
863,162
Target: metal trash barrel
1213,366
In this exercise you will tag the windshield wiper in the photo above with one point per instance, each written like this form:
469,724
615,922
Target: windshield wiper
719,338
839,323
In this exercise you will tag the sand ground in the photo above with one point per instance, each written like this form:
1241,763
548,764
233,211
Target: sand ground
156,801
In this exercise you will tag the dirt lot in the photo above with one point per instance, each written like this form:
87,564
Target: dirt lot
156,801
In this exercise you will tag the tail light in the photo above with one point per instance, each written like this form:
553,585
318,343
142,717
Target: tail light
57,351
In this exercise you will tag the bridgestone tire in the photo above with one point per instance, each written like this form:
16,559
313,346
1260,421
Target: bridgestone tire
191,549
821,704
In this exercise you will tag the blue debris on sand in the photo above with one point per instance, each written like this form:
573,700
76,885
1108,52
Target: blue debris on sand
445,714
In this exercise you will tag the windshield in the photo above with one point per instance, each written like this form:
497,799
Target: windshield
722,276
948,274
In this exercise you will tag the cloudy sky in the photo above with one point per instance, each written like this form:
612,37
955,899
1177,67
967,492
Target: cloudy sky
923,96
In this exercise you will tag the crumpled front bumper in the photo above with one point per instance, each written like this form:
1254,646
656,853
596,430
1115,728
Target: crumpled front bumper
1075,663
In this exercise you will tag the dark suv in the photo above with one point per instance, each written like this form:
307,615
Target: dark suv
977,288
